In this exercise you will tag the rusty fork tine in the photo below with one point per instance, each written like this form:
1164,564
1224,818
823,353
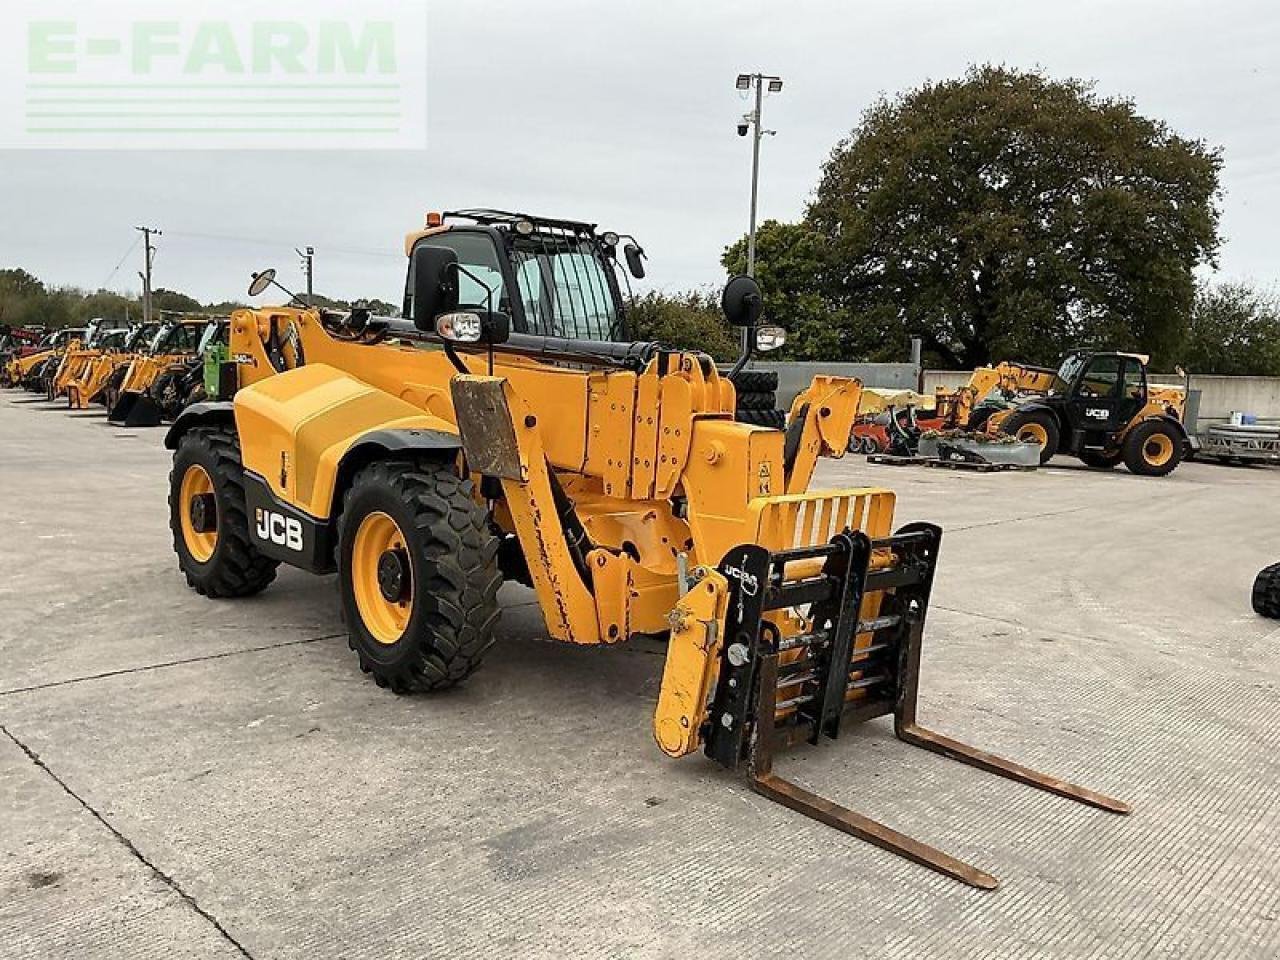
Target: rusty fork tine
937,743
864,828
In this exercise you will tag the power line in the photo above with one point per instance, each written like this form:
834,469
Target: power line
259,241
133,246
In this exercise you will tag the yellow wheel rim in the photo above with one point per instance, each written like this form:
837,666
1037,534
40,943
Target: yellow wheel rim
1033,433
1158,450
196,483
379,546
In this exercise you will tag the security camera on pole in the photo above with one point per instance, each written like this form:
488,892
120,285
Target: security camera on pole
751,124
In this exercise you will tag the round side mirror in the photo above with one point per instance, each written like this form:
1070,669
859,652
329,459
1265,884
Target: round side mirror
261,281
742,302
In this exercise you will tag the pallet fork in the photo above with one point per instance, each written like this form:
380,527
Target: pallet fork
774,691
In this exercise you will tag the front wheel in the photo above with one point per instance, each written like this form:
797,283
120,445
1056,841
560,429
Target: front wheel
209,518
1153,449
418,574
1034,426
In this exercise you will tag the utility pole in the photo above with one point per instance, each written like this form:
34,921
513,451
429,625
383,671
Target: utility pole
149,253
751,123
308,256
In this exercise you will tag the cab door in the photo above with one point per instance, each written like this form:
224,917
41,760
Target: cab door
1098,402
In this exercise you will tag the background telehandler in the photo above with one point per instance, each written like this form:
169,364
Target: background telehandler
504,430
1099,407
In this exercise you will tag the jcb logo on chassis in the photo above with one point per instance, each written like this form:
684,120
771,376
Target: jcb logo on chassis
278,529
1097,413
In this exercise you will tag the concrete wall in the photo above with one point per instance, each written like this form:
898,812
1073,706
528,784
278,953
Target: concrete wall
1219,395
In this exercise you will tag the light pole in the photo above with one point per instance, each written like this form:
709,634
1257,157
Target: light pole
308,265
751,123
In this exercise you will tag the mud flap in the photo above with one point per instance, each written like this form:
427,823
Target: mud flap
859,659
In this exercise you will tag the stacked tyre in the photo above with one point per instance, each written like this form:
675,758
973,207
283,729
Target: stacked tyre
758,398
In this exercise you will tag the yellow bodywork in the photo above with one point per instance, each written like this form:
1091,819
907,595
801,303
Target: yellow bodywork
21,367
625,446
82,389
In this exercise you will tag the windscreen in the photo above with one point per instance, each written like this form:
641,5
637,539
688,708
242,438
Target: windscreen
566,288
1067,373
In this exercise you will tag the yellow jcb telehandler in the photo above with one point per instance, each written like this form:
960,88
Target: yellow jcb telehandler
509,429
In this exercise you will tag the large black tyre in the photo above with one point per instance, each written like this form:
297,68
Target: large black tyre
1153,448
1099,460
756,401
756,381
427,625
1266,592
775,419
207,463
1034,426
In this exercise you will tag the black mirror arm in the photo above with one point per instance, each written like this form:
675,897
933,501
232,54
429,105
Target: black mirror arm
748,349
449,350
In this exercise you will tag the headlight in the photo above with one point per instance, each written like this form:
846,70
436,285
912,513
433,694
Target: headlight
462,327
770,338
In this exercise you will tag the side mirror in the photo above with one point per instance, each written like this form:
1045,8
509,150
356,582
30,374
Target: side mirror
742,302
260,282
635,260
435,285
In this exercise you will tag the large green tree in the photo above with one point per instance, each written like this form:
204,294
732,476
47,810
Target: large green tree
692,319
793,267
1010,214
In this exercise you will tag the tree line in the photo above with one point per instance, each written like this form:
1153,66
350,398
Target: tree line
27,301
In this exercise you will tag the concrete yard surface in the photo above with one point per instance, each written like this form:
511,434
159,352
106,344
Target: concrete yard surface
181,777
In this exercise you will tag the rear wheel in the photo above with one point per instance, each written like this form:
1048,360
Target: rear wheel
1034,426
1100,460
1266,592
209,519
418,574
1152,449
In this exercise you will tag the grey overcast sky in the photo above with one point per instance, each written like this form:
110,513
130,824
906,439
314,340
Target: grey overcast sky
624,114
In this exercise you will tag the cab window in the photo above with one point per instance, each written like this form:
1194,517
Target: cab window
1135,383
1101,378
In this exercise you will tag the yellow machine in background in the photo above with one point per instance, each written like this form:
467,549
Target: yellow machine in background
89,386
511,429
77,362
175,347
28,372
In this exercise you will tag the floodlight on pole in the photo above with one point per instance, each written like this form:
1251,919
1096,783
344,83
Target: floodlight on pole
751,124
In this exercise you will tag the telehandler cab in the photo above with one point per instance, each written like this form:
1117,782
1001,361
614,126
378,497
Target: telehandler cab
503,431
